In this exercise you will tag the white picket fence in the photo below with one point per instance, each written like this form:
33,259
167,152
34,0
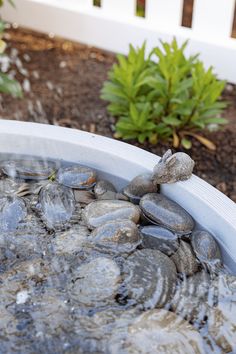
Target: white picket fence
114,25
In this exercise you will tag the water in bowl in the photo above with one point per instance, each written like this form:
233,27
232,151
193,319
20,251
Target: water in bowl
84,270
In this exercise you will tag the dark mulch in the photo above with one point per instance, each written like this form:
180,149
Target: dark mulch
65,80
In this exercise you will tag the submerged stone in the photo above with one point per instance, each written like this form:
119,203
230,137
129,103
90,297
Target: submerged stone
156,331
57,204
206,248
185,260
83,291
12,212
165,212
224,288
96,282
191,297
117,236
10,186
83,196
104,189
78,177
150,278
29,169
139,186
158,237
222,327
70,241
102,211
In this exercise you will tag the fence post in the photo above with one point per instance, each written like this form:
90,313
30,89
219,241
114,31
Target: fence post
119,7
165,13
213,18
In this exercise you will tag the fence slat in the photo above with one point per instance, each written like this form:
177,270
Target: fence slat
213,18
167,13
70,4
119,7
96,27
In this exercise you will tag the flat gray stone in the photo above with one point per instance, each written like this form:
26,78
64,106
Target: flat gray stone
165,212
102,211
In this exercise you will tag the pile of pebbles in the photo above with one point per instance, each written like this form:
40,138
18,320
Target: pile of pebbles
85,268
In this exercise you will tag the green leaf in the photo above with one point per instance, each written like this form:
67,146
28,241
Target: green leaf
134,113
164,94
10,86
186,143
2,26
216,121
172,121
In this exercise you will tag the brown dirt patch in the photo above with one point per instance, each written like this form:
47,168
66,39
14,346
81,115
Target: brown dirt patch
65,81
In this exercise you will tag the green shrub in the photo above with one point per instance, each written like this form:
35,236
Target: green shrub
164,96
7,85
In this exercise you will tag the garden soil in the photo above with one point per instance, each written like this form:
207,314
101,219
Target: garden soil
62,82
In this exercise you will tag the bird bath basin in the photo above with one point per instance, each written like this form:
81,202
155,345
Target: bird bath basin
120,162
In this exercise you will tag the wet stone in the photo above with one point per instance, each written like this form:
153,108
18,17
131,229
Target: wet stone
79,275
97,329
78,177
56,204
83,197
224,288
206,248
117,236
139,186
159,238
102,211
12,212
149,278
104,190
96,282
191,297
9,186
20,246
222,327
185,260
70,241
50,314
156,331
29,169
162,211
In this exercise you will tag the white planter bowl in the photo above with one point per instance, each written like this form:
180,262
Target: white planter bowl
211,209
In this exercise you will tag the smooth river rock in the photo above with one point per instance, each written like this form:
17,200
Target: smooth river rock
29,169
12,212
57,204
156,332
162,211
159,238
117,236
78,177
206,248
191,297
104,189
139,186
102,211
97,281
222,327
185,260
70,241
150,278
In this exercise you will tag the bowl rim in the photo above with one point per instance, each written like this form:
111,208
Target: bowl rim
218,212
